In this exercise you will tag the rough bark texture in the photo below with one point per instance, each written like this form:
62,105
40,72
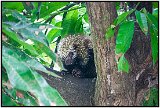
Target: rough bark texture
140,57
112,88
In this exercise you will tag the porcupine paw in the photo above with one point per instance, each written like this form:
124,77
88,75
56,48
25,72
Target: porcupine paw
77,72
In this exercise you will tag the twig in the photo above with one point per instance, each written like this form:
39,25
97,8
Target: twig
137,5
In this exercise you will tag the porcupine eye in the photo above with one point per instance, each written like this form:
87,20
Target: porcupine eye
70,59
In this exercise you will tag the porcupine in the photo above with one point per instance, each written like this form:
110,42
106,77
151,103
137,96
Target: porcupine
76,53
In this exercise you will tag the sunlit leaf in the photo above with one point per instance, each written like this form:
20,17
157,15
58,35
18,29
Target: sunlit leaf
155,12
152,19
12,35
30,62
122,17
54,32
142,21
48,7
79,26
154,43
24,78
86,18
69,23
124,37
43,48
123,64
13,5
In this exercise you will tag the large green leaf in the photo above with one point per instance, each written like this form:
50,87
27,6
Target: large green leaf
124,37
14,36
154,43
28,100
123,64
24,98
13,5
69,23
29,31
30,62
142,21
48,7
44,49
79,26
152,19
54,32
122,17
23,77
153,22
7,101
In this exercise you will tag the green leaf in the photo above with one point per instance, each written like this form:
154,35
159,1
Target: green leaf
155,12
123,64
19,16
48,7
117,5
28,100
14,36
124,37
44,49
11,92
69,23
79,26
54,32
153,97
30,62
142,21
13,5
155,4
122,17
152,19
22,77
154,43
86,18
4,74
29,30
7,101
109,32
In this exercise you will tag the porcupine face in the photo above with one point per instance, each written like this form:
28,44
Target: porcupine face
66,51
70,58
76,53
72,48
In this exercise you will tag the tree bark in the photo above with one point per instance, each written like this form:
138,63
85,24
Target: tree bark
139,56
112,87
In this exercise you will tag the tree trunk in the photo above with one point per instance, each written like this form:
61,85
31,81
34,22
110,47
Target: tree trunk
112,87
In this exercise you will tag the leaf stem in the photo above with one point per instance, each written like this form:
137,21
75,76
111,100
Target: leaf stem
137,5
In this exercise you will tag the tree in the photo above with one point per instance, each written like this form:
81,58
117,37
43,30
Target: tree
112,88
